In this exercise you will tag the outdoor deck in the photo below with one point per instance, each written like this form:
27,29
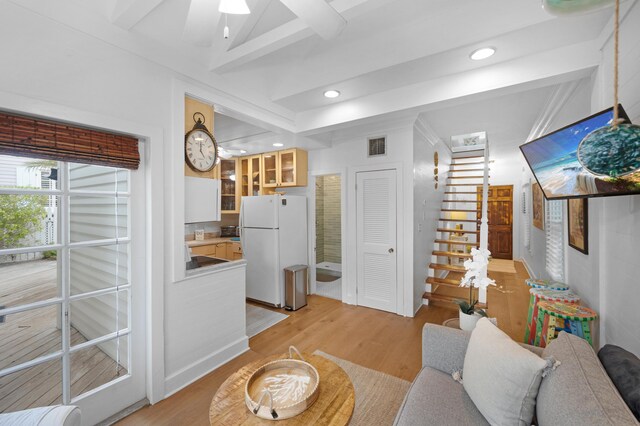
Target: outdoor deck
29,335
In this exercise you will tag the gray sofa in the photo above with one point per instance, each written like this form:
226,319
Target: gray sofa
578,392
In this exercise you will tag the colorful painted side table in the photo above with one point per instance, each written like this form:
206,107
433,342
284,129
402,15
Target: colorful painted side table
538,294
559,316
548,284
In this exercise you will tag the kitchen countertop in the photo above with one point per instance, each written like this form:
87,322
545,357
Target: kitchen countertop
209,241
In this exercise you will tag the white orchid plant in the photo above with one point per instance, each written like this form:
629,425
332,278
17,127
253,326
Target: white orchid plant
476,276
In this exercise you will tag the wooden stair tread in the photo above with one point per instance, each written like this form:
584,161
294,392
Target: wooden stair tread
463,193
473,163
435,297
459,231
442,281
451,254
459,220
465,170
460,243
467,156
461,210
463,184
446,267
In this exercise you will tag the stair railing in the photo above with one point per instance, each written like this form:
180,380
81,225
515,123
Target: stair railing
484,222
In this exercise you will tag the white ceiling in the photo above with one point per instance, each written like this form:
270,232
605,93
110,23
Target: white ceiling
507,119
275,60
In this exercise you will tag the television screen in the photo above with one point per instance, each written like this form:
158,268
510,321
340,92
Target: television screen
565,168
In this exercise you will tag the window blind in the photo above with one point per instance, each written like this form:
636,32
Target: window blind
526,222
36,138
555,240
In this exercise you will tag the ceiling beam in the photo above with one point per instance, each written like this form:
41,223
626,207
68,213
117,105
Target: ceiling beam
202,23
319,15
240,35
127,13
285,35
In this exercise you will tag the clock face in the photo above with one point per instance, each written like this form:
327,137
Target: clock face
200,151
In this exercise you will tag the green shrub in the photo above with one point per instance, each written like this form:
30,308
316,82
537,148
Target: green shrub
20,216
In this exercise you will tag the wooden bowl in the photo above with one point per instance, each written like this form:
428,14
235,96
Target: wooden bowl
282,389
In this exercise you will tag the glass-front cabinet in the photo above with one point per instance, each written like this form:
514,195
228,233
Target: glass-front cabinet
250,174
230,202
285,168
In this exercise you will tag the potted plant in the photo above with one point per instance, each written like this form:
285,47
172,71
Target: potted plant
476,276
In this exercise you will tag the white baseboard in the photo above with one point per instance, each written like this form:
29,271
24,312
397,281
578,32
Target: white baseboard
204,366
526,266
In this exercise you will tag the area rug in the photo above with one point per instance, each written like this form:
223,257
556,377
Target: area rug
501,265
378,395
259,319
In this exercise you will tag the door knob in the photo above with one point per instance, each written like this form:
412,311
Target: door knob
390,250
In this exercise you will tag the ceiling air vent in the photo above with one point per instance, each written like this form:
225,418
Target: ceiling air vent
377,146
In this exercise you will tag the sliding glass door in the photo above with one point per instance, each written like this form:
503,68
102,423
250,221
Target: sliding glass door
71,286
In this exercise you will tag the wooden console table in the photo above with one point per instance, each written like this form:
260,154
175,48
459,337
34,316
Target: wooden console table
333,407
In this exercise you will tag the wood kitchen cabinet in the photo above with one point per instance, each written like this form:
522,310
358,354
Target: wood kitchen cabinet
284,168
230,191
234,251
224,250
251,179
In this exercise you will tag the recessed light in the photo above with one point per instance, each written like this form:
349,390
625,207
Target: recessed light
482,53
278,144
243,151
331,94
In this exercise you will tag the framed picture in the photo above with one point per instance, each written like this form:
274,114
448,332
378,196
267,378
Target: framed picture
537,206
578,217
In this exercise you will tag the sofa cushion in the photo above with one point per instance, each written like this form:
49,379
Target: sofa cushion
436,399
579,392
623,368
500,376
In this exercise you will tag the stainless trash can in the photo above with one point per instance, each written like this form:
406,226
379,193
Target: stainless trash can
295,283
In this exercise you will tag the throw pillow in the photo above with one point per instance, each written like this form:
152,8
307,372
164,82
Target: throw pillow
623,368
501,377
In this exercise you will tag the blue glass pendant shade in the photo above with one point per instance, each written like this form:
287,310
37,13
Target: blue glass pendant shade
570,7
611,151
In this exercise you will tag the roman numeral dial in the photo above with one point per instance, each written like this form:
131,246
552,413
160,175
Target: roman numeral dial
200,150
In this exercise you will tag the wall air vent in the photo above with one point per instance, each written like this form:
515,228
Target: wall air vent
377,146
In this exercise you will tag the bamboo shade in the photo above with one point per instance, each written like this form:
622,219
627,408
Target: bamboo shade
36,138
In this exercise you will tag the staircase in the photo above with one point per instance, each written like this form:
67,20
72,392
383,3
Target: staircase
466,188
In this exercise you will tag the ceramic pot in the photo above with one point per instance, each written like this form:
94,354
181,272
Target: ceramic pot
468,322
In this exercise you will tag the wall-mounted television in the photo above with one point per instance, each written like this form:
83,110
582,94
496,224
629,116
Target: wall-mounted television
564,167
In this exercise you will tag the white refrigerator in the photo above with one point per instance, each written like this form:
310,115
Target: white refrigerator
273,234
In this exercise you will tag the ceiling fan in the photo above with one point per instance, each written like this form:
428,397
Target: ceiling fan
319,15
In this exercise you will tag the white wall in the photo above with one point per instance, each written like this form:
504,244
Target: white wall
614,223
201,332
427,202
348,153
575,108
78,75
606,278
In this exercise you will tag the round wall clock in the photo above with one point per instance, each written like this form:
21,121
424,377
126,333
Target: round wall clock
200,147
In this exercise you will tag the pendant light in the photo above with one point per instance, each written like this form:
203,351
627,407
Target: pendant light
232,7
614,150
571,7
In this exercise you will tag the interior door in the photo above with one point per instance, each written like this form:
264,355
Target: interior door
500,215
376,239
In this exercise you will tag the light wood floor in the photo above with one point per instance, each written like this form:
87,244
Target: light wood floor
371,338
31,334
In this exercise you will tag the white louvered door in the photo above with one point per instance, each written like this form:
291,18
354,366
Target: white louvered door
376,239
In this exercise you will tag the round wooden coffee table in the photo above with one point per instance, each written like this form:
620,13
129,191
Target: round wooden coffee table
334,405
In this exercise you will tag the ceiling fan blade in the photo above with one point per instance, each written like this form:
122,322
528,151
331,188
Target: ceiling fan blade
319,15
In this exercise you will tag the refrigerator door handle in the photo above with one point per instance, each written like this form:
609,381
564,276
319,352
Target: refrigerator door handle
242,245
